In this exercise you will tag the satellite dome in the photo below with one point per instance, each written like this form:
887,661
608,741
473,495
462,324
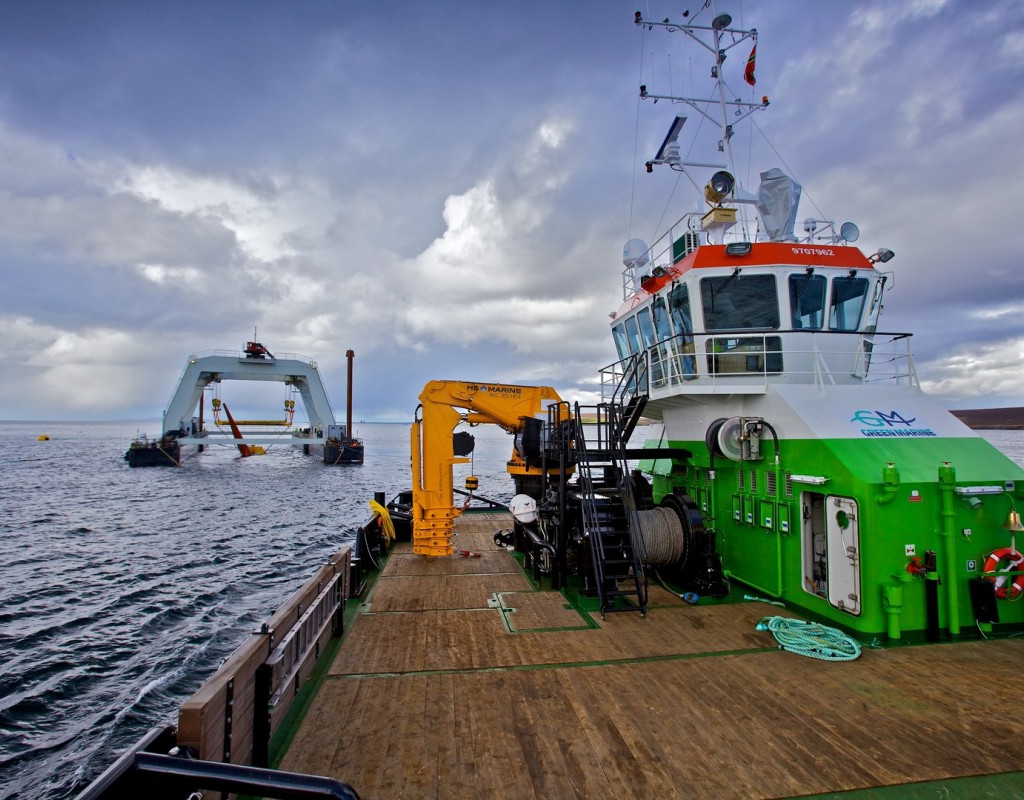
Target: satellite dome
634,254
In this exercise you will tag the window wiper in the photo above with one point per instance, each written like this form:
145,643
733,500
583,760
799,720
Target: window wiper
730,279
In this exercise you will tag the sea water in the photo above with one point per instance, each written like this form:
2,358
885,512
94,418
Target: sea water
122,590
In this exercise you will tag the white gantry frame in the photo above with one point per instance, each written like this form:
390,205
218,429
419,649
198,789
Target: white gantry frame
291,369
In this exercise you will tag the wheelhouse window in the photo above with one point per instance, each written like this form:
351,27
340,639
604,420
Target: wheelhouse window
656,352
679,309
633,336
847,304
739,302
876,305
627,342
807,301
646,328
621,343
681,319
737,355
661,324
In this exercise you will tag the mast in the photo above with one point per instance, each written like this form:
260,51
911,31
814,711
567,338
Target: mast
722,112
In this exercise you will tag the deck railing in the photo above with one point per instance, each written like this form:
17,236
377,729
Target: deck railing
239,354
676,242
233,715
726,361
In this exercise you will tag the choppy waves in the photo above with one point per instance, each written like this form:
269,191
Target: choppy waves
121,589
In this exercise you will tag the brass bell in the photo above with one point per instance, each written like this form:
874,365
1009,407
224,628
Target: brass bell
1013,521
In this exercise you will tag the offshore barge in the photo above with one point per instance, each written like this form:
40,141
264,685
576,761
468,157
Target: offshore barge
184,423
645,631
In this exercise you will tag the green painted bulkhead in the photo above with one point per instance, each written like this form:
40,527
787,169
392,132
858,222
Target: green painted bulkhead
866,483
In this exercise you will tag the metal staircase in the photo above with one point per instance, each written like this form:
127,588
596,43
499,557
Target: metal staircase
610,520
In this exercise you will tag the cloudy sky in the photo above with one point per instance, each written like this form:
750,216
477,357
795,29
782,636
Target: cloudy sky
445,186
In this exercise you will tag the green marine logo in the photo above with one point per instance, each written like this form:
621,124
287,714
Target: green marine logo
879,423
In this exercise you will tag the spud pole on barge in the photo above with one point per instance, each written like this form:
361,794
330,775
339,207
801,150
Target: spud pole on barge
341,446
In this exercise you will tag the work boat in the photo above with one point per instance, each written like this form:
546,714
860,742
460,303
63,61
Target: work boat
821,475
733,619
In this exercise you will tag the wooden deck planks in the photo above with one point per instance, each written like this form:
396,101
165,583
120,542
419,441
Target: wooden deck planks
490,562
474,639
691,702
540,611
703,727
443,592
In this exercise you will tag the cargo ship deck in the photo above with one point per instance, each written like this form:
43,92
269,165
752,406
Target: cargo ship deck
457,677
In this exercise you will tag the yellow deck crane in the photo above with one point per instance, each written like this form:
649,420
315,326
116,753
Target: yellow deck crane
520,410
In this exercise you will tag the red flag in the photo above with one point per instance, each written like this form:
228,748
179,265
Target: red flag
748,73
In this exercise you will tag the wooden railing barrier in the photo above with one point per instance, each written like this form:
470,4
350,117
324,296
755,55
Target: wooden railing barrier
224,720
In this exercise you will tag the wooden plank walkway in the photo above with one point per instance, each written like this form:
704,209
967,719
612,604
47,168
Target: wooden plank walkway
441,690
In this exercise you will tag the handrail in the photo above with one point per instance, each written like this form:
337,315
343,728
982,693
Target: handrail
625,486
662,253
240,354
692,360
584,478
291,651
107,784
609,443
192,774
265,672
538,542
634,379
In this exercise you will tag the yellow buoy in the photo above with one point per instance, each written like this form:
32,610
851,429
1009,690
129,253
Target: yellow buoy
43,437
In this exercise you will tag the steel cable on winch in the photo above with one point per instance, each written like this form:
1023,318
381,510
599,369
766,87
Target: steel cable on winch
662,534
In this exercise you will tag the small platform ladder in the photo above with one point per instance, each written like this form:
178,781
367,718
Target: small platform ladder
610,520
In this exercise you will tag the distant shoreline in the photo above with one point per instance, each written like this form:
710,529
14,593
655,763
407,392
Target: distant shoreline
992,419
979,419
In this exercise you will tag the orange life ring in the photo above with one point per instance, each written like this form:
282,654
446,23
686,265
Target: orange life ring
1006,590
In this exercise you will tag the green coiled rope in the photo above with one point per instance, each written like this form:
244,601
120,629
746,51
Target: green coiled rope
811,639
